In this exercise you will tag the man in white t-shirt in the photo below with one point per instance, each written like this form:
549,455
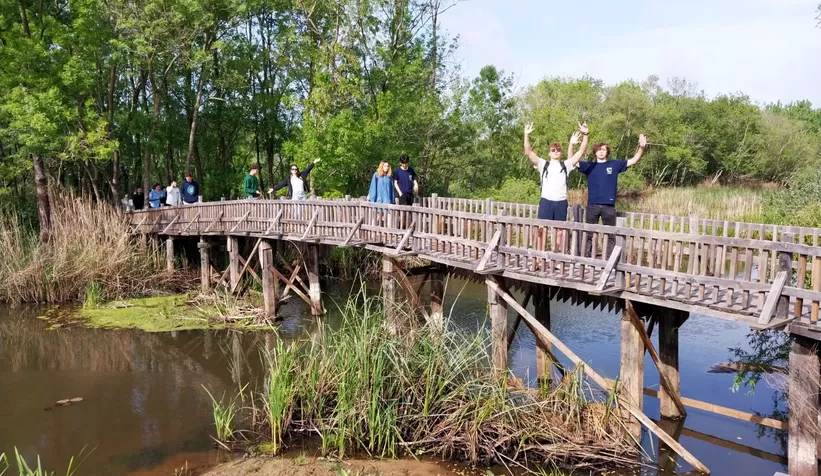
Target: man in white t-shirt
553,173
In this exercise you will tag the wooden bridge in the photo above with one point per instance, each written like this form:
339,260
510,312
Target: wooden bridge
657,269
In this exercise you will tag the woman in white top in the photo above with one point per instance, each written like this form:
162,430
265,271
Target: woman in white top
295,182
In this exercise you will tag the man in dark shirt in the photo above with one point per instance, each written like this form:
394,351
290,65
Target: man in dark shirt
404,179
602,185
138,199
190,190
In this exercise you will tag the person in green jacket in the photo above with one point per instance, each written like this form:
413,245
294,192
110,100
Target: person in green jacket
251,184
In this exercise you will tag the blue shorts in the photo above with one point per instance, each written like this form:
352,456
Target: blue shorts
550,210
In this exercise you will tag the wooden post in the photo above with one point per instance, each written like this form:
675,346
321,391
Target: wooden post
314,291
631,374
169,254
803,404
437,294
544,359
667,459
498,322
782,309
269,284
205,267
143,242
577,217
389,292
233,262
668,354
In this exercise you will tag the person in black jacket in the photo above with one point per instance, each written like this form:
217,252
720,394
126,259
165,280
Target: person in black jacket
295,183
138,198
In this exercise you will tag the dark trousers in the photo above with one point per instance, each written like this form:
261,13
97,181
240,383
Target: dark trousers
406,199
607,213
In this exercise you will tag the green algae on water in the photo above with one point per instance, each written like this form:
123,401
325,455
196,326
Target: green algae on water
175,312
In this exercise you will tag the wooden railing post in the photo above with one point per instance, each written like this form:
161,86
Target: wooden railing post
205,267
621,222
782,310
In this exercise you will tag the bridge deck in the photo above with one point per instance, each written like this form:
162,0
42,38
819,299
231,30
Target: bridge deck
729,272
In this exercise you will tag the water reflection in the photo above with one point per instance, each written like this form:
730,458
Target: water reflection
144,404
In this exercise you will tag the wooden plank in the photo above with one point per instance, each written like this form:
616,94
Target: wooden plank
406,236
190,223
816,286
240,222
245,265
800,279
548,338
353,231
314,218
772,298
608,268
491,247
648,344
174,220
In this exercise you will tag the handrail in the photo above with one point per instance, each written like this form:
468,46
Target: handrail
726,274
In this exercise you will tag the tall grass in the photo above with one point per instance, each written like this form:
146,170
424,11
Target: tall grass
91,251
24,469
225,414
362,388
711,202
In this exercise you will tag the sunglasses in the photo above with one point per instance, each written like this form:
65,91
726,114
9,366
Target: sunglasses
554,149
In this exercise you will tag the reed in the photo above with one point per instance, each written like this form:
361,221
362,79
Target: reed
225,414
91,252
362,388
24,469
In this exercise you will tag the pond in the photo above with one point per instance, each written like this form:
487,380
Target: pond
145,410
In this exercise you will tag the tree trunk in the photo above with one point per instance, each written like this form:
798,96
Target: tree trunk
115,163
43,202
194,116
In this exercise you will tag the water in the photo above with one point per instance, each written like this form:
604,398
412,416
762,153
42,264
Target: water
145,411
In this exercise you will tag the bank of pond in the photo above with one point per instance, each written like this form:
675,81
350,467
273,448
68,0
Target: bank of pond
344,386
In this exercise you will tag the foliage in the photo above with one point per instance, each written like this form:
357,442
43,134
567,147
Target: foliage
769,349
112,95
364,386
23,468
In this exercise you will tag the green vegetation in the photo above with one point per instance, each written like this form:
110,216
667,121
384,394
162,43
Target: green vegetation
175,312
24,469
103,97
90,257
360,387
224,417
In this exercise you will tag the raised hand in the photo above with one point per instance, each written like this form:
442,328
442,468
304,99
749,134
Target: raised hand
642,140
528,128
583,128
576,138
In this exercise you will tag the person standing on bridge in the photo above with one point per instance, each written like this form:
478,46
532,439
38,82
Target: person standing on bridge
190,190
138,199
172,194
381,190
156,196
405,181
250,185
295,182
553,173
602,186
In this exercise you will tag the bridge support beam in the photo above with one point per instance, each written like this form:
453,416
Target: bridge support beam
389,292
437,295
803,404
205,267
631,375
269,283
314,291
544,351
498,328
668,354
233,262
169,254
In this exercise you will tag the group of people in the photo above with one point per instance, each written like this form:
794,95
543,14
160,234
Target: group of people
602,178
171,196
295,182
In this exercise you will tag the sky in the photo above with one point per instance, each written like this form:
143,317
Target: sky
769,50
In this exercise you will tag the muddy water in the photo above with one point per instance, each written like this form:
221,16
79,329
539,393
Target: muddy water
144,410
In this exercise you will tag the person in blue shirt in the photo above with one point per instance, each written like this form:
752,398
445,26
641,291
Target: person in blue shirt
156,196
405,181
602,185
381,190
190,190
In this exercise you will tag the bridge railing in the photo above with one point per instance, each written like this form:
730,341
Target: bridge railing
746,278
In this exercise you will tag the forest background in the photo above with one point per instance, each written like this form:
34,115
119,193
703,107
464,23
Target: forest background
103,96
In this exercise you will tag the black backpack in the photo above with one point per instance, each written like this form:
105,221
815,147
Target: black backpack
547,164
